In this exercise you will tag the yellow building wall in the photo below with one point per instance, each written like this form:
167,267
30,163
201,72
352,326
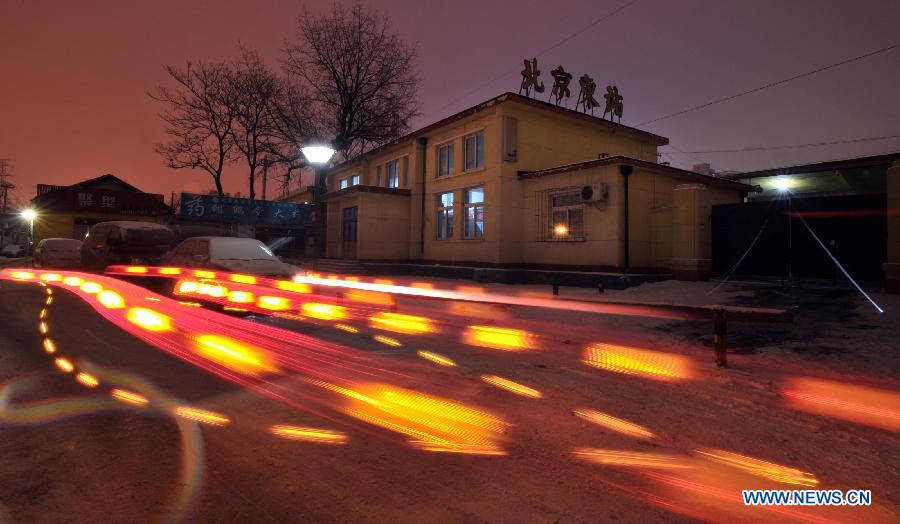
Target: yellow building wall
383,227
62,225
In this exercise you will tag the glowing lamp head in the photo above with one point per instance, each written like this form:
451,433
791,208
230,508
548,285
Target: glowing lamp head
317,154
561,230
29,214
782,184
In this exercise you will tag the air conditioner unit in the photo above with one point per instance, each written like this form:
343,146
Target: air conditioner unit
595,193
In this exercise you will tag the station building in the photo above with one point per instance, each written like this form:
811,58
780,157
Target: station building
69,211
515,182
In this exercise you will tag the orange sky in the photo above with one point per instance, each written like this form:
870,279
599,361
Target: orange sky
75,74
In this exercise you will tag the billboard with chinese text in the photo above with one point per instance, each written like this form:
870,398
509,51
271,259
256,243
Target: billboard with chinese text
214,208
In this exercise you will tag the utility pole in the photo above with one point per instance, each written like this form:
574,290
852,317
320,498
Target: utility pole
5,184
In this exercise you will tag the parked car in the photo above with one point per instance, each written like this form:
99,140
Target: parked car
239,255
125,242
13,251
57,252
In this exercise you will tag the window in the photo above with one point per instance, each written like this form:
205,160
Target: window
344,183
445,215
474,212
561,215
393,173
445,159
473,151
354,180
377,175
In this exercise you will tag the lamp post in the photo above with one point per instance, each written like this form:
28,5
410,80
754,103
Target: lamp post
318,156
30,215
783,186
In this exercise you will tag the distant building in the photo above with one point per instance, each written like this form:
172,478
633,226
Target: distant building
69,211
519,183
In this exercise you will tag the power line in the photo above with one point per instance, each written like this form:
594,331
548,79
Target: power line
772,84
543,52
793,146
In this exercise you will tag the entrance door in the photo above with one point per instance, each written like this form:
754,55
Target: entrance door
348,232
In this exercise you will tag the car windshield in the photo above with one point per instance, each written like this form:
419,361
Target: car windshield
62,245
239,249
150,237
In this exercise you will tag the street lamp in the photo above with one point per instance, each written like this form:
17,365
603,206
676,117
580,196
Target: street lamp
318,156
30,215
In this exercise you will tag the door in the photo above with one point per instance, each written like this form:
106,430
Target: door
348,232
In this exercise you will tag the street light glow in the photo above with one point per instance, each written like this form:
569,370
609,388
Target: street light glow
317,155
782,183
29,214
561,230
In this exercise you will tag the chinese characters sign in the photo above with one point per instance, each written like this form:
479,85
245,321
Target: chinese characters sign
102,201
244,211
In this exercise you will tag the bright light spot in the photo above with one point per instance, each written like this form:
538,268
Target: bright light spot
243,279
149,319
87,380
273,303
387,340
859,404
399,323
152,299
761,468
49,291
641,362
91,287
22,275
43,328
235,355
135,269
381,282
204,274
437,359
498,338
169,271
422,285
111,299
232,308
782,183
512,387
51,277
323,436
561,230
43,313
129,396
188,286
296,287
432,423
29,214
72,281
190,304
317,154
241,297
323,311
217,291
345,327
616,424
49,301
201,415
49,346
609,457
369,297
64,365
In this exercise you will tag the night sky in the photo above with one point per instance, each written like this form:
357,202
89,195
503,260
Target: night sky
74,78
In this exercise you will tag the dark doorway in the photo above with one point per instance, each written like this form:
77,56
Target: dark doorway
853,227
348,232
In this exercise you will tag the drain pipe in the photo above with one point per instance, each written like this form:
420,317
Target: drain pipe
423,141
625,170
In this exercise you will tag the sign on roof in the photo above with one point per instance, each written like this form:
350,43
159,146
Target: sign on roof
213,208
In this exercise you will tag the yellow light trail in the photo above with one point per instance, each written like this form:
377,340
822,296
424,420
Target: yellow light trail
345,327
51,277
91,287
235,355
616,424
322,436
323,311
49,346
387,340
43,328
149,319
498,338
273,303
609,457
64,365
87,380
512,387
72,281
640,362
761,468
434,357
202,415
399,323
129,397
169,271
243,279
111,299
287,285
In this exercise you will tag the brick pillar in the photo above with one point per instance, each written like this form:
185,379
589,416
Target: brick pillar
691,250
892,266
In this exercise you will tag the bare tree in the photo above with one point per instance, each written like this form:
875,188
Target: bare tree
257,89
359,74
200,117
293,123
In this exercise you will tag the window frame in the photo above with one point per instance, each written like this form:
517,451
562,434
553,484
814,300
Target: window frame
548,212
450,147
447,212
478,136
395,177
477,209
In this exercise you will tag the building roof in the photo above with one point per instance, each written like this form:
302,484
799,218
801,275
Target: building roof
618,159
360,188
107,179
507,97
830,165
